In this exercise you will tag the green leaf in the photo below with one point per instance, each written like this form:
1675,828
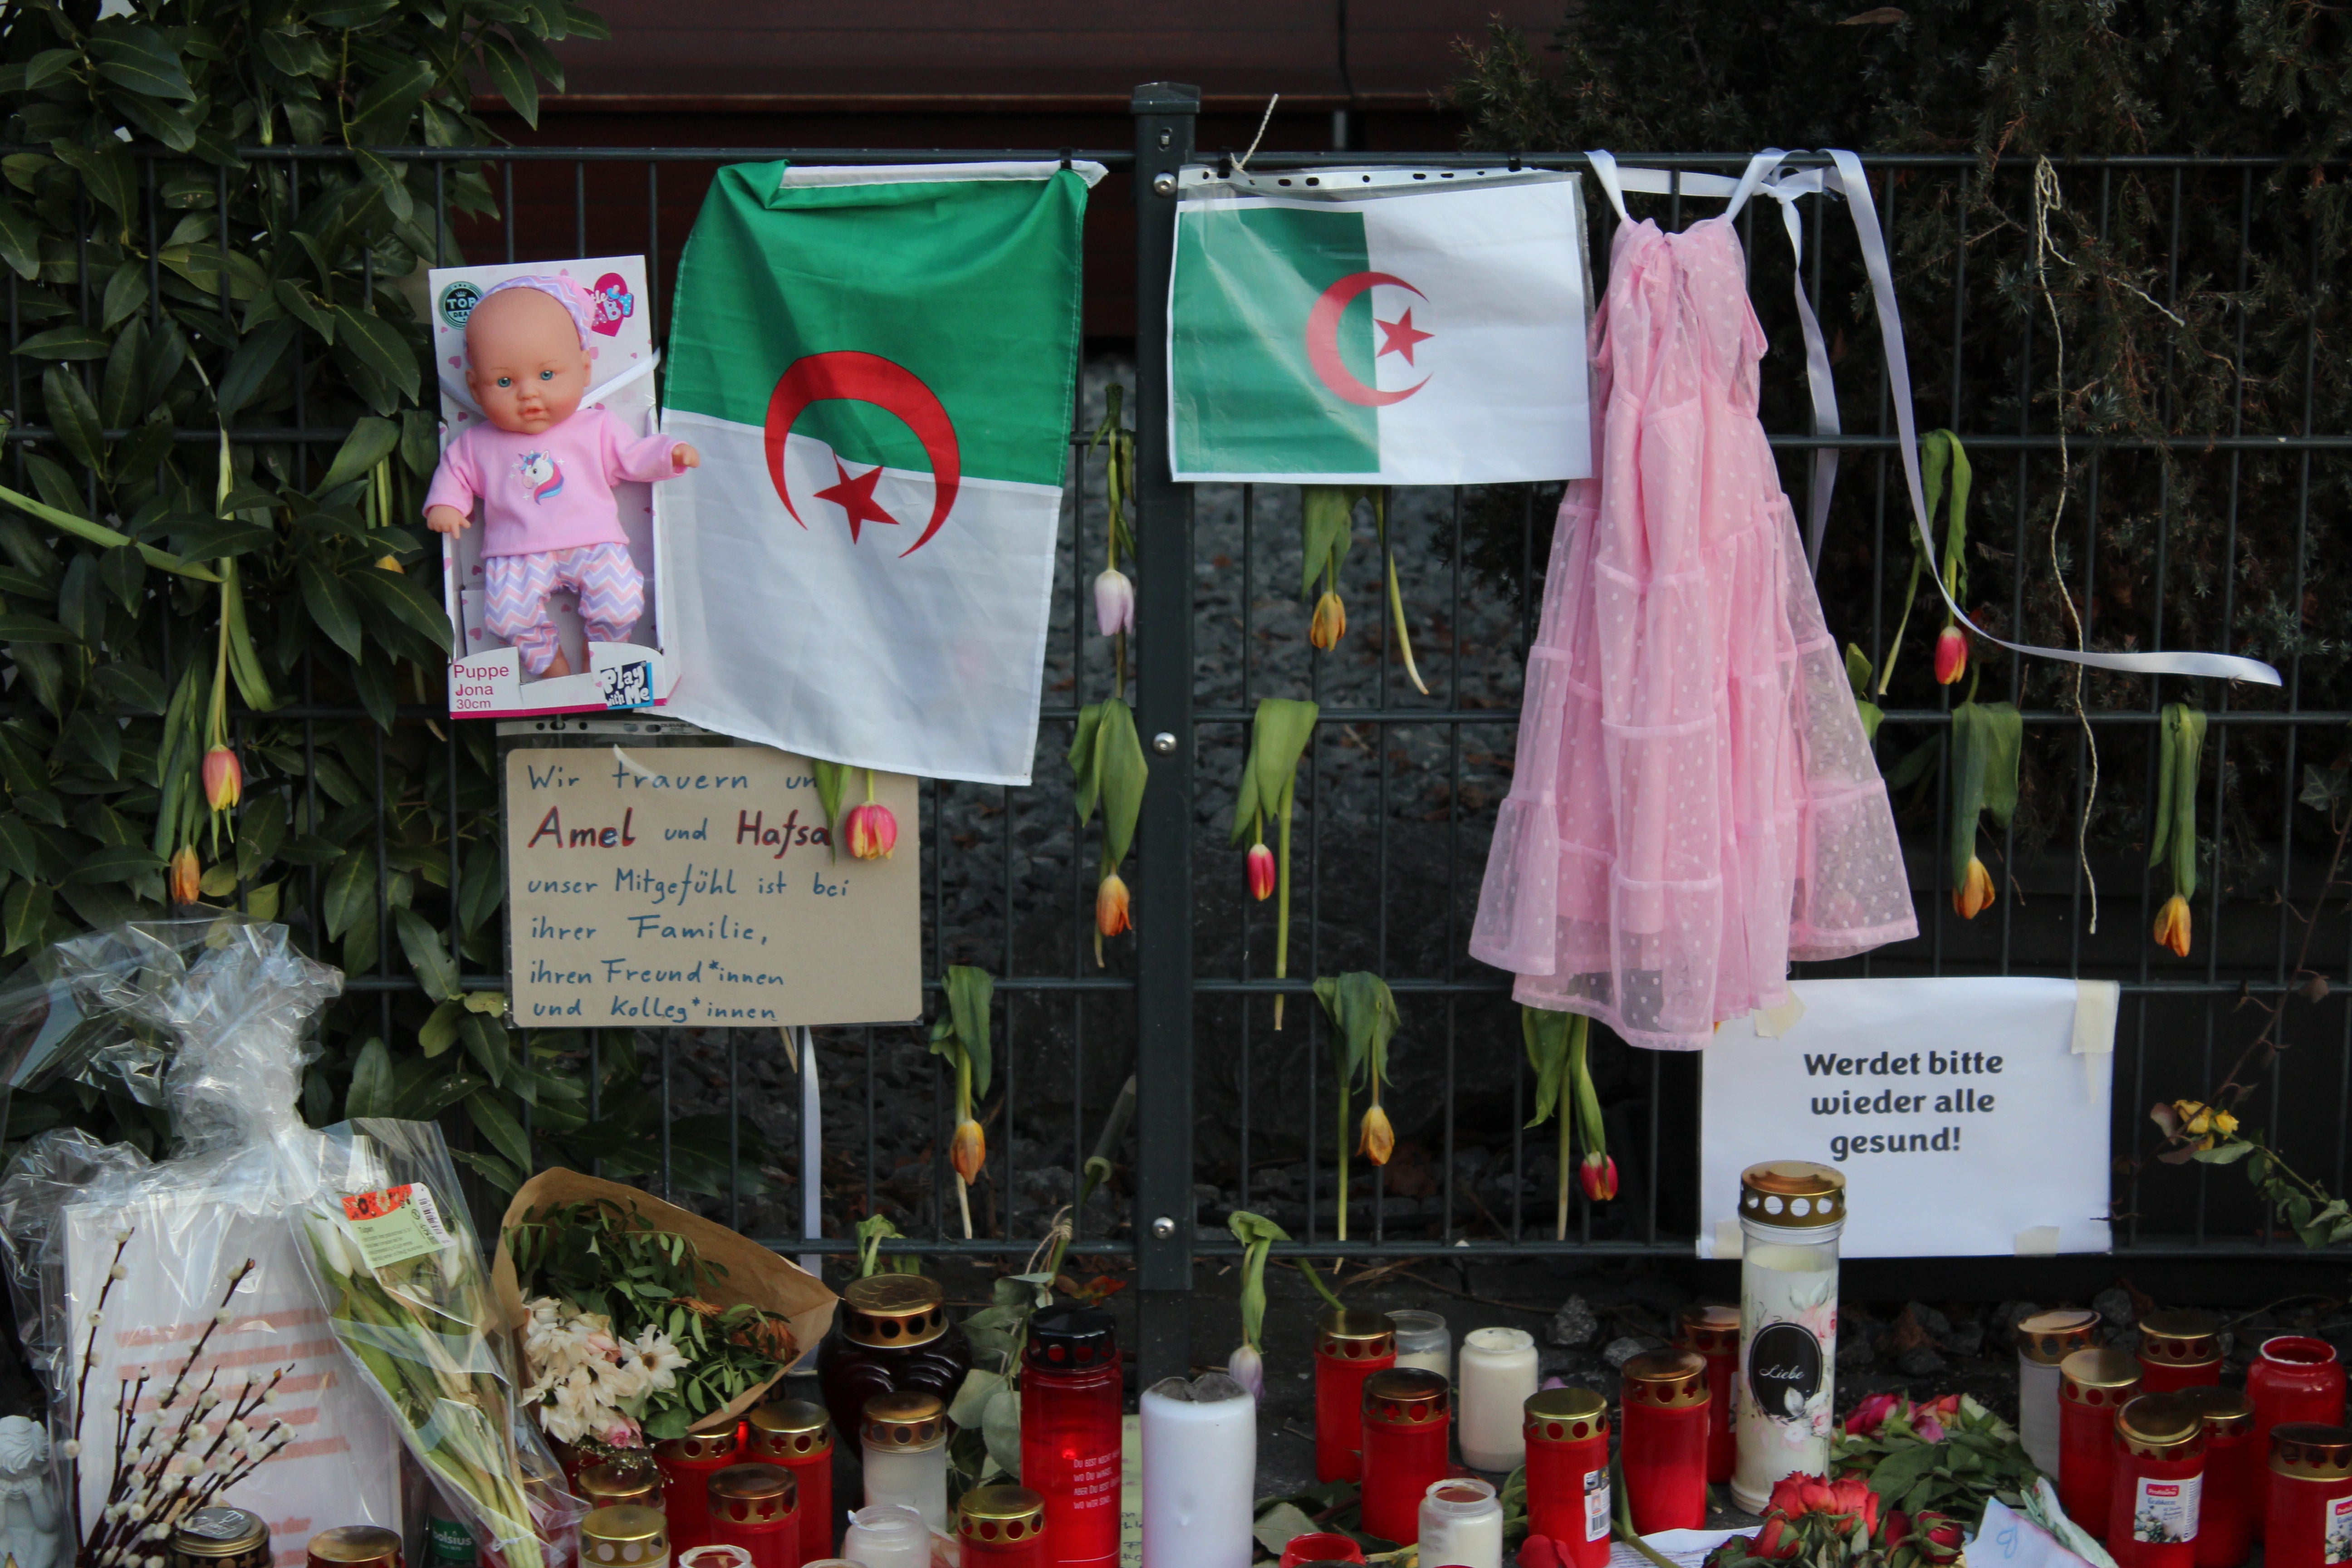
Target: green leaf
2001,732
440,1029
20,853
372,440
389,183
116,863
1121,768
486,1042
351,891
106,173
251,364
371,1093
436,970
1364,1013
1858,669
1278,735
25,914
138,58
510,73
1327,514
379,346
119,388
400,594
494,1122
32,629
75,417
65,342
329,603
1085,767
1968,788
20,240
395,93
1546,1035
969,992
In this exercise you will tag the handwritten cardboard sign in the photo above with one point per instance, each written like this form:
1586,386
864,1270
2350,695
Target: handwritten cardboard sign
695,885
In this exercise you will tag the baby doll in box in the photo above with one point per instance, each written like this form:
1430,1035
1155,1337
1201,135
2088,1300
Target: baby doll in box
543,469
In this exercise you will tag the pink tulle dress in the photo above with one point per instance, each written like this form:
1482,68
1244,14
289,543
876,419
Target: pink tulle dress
1694,803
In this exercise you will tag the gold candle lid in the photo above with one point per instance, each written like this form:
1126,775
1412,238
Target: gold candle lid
2160,1426
754,1494
219,1532
355,1544
617,1481
1710,1328
1000,1515
1796,1194
790,1429
2102,1375
2227,1411
1406,1396
1350,1335
624,1535
2180,1338
907,1419
2049,1337
701,1448
892,1310
1666,1380
1564,1416
2309,1450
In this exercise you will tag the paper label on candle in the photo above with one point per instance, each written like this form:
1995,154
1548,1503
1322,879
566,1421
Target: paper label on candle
2338,1547
1596,1505
2165,1513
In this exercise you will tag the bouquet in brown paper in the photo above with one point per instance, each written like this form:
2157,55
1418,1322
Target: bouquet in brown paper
637,1321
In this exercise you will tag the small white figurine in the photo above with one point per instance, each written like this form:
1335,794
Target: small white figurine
30,1520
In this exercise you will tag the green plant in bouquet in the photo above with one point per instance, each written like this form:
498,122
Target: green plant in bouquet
621,1307
1947,1456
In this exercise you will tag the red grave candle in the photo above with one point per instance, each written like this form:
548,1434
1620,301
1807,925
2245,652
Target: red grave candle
2179,1350
1319,1546
1407,1424
2294,1379
1714,1334
1567,1432
2225,1517
2310,1495
1663,1441
757,1508
1003,1527
2155,1494
1350,1347
2092,1384
687,1464
1070,1453
798,1436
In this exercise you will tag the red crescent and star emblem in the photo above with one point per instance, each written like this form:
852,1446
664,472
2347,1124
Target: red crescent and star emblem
889,386
1397,337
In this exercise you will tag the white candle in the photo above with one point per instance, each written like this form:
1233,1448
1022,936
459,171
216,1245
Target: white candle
2037,1413
1421,1341
1461,1526
1200,1467
1499,1373
887,1535
915,1477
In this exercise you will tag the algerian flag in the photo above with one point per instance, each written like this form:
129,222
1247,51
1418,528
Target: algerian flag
879,366
1352,326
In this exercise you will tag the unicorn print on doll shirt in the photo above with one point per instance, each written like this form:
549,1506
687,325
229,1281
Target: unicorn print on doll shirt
538,470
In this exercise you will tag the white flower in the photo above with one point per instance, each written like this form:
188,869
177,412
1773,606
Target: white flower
269,1395
240,1430
155,1563
121,1237
96,1318
70,1448
118,1272
223,1315
655,1348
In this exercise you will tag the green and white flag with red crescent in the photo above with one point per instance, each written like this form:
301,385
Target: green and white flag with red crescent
879,366
1378,326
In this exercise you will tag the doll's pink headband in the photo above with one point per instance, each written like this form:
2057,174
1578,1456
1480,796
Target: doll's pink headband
577,302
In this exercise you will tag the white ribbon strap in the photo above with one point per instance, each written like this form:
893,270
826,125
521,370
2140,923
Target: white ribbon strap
2226,665
455,385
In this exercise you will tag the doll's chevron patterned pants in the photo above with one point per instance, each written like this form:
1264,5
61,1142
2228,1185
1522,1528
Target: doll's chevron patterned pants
612,597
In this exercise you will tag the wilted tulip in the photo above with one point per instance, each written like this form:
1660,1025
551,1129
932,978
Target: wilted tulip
1113,602
1331,622
1110,907
871,830
186,872
1951,656
1246,1367
1598,1176
1261,872
968,1150
224,780
1974,896
1378,1139
2172,926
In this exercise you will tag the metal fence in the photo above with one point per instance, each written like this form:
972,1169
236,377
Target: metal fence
1397,800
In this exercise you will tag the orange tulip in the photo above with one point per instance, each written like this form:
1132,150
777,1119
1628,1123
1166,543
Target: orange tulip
968,1150
224,780
1110,907
1973,897
185,874
2172,926
1378,1139
1331,622
871,830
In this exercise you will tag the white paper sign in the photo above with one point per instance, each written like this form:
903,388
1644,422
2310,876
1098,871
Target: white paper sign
1968,1117
2007,1539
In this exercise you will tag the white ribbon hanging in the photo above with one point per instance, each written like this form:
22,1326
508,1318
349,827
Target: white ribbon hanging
1845,178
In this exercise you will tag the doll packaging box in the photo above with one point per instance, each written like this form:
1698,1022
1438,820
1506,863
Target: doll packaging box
547,496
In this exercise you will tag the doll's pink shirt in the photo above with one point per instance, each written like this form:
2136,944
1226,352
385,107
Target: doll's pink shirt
549,491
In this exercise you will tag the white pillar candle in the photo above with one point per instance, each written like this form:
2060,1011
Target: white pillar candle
887,1535
1200,1468
1421,1341
1461,1525
1499,1373
1790,1212
2043,1341
915,1477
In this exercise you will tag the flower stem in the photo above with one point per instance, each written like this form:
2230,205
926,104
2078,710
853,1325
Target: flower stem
1317,1280
1396,602
1567,1154
1282,899
1343,1157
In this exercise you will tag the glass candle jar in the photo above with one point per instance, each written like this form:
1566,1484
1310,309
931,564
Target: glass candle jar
2294,1379
2179,1350
687,1464
2310,1495
1663,1441
1566,1433
1070,1432
1319,1546
887,1535
2043,1341
2225,1517
2092,1384
1422,1341
2154,1495
757,1508
1790,1212
1498,1373
1461,1525
1713,1332
1003,1527
624,1537
635,1482
798,1436
1406,1424
354,1546
1350,1346
1200,1472
905,1437
219,1537
891,1335
712,1554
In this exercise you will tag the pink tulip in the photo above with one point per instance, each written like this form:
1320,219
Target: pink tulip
1261,872
1599,1177
1951,656
1113,602
224,780
871,830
